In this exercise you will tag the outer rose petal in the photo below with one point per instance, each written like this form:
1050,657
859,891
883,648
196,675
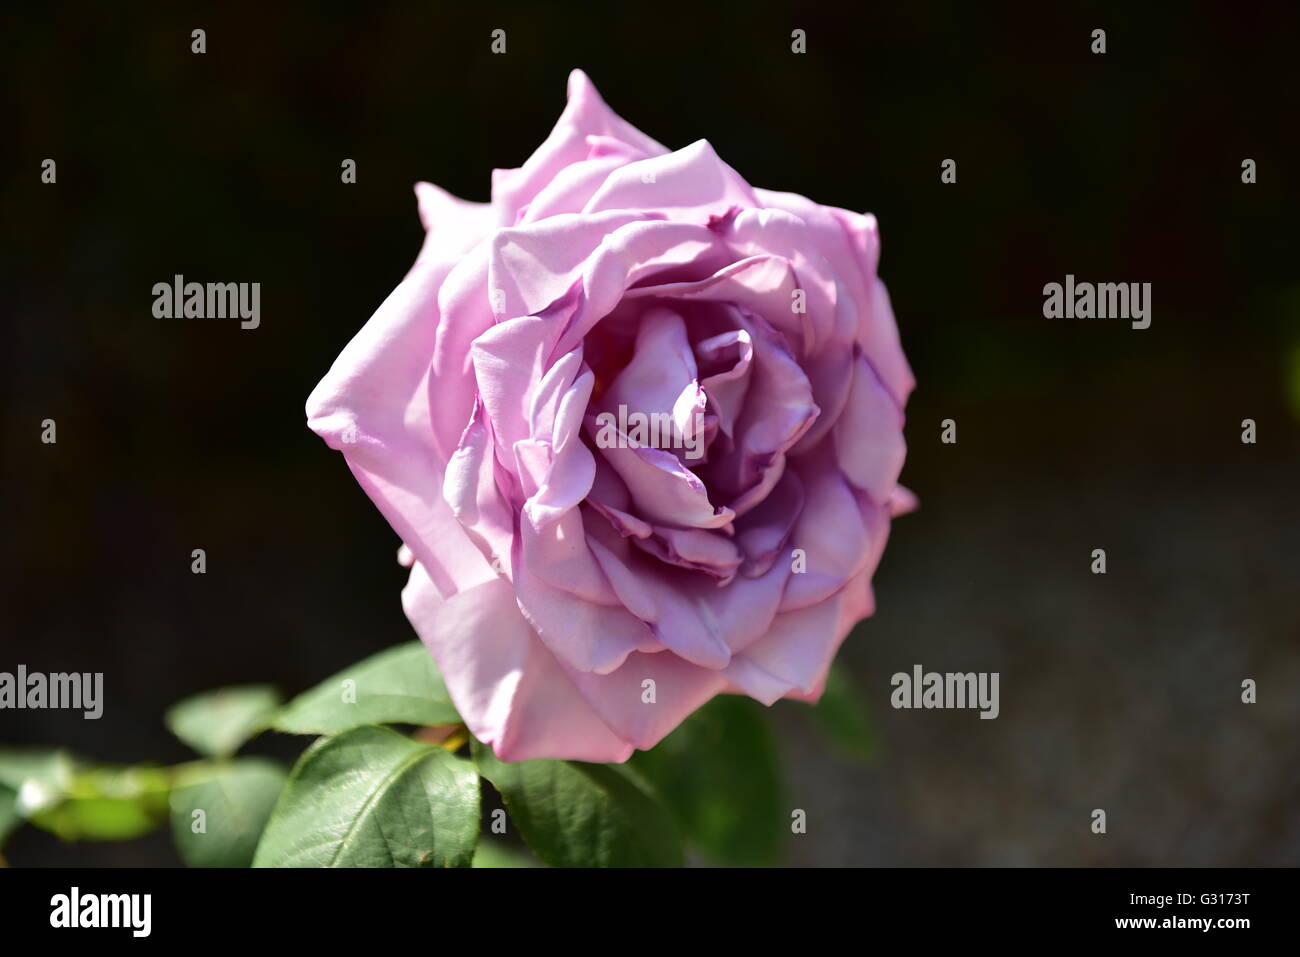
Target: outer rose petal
833,560
533,265
373,406
585,115
452,226
690,185
903,501
462,315
869,435
774,232
793,658
680,688
505,684
850,243
574,186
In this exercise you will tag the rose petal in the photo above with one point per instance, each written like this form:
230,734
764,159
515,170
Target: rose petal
574,185
779,411
373,406
663,490
869,435
620,697
473,493
566,598
694,549
798,649
690,614
510,691
634,254
732,353
850,243
902,501
691,184
569,468
662,366
834,530
763,533
532,266
585,115
453,226
774,232
463,314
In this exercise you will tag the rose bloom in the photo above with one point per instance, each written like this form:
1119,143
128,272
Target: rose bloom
584,589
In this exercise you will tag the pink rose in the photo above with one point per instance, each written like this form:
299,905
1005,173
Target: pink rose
639,425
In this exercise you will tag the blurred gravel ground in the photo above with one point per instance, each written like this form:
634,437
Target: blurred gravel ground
1119,692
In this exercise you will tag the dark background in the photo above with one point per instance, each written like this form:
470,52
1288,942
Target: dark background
1118,691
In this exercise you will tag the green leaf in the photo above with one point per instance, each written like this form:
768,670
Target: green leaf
371,797
49,772
399,686
843,718
235,798
584,815
217,723
719,772
491,853
77,801
10,819
44,773
101,804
